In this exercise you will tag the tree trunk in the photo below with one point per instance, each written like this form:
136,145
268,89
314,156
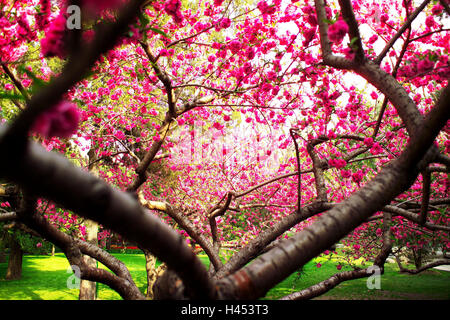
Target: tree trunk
152,272
2,251
88,289
14,270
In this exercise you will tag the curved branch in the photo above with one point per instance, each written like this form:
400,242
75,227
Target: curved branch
8,216
255,246
187,226
399,33
414,217
440,262
74,71
73,249
49,175
326,285
272,267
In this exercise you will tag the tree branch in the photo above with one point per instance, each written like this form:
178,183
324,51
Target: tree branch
8,216
186,225
263,273
399,33
52,176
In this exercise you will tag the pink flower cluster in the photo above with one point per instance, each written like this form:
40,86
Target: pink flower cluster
416,67
337,163
97,6
172,8
337,31
43,15
53,44
60,121
265,8
357,176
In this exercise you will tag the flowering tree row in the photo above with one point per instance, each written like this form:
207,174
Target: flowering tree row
278,127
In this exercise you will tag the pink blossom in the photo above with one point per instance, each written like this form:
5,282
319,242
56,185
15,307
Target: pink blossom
97,6
226,118
409,70
337,163
312,19
225,23
265,8
374,95
437,9
38,245
425,65
429,22
368,141
346,174
5,204
339,267
172,8
357,176
43,15
60,121
376,149
218,126
250,53
309,36
349,53
337,31
9,86
234,46
373,38
318,265
53,44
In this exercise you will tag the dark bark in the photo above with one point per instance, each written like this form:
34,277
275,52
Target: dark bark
14,270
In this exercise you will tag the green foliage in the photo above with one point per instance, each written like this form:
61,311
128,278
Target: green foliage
32,244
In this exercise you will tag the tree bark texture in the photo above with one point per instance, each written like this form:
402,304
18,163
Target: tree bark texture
14,270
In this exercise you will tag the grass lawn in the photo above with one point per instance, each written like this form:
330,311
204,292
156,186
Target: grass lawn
45,277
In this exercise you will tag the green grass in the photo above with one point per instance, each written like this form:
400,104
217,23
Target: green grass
45,277
431,284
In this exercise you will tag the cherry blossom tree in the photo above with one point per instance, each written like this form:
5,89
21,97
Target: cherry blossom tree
277,128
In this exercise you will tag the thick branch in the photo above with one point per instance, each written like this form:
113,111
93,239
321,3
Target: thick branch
8,216
186,225
75,70
255,246
349,17
121,282
52,176
263,273
327,54
318,173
